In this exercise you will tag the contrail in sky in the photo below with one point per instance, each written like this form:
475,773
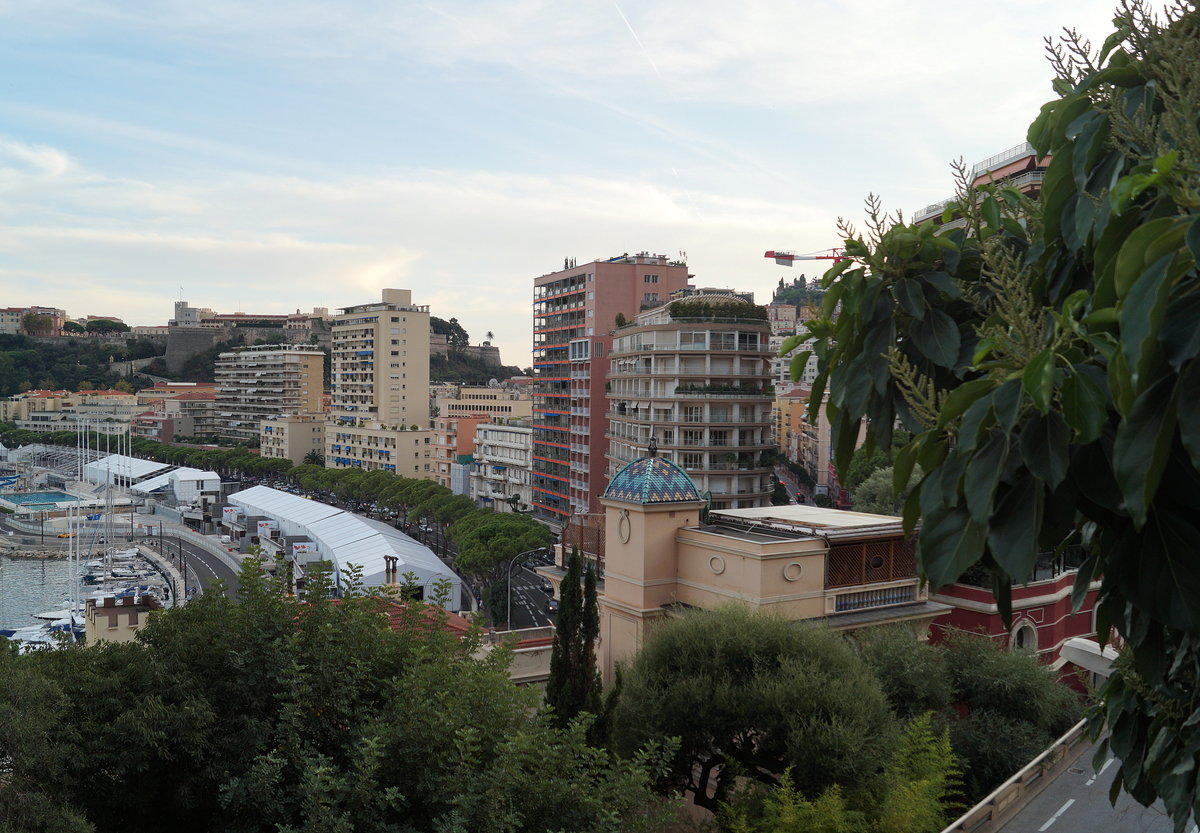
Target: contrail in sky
641,45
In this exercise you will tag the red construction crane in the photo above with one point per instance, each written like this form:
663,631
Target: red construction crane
787,258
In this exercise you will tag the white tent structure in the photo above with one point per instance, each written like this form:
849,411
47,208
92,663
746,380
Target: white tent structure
121,470
346,539
186,484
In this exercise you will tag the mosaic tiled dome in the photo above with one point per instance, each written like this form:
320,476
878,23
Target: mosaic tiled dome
652,480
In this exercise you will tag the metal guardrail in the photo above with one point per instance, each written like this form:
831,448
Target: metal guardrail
998,807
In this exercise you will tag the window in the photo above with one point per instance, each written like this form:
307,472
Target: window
649,278
693,413
691,460
650,298
693,437
1024,637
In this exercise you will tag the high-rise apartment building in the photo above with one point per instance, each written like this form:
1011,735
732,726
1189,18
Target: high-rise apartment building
694,376
379,416
1018,167
575,311
266,381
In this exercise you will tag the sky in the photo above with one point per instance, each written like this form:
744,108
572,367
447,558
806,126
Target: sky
268,156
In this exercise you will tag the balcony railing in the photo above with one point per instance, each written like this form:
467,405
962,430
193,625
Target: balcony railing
883,597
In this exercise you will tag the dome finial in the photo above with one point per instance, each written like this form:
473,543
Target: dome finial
652,451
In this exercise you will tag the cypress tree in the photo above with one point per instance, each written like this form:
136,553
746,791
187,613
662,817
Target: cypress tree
574,684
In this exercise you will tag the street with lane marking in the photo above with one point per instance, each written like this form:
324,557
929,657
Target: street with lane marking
1077,802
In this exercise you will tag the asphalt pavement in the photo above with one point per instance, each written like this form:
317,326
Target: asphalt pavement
1077,802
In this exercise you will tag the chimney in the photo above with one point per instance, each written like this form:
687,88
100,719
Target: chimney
110,601
127,601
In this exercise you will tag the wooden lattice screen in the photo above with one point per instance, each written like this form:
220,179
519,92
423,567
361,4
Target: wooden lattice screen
867,562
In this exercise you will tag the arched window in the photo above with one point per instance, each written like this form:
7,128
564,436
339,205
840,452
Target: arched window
1024,637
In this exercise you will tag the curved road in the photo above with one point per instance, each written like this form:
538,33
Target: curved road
203,567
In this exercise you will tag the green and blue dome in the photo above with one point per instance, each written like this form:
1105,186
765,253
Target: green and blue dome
652,480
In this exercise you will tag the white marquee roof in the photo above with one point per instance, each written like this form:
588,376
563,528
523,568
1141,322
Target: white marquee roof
131,467
158,481
345,538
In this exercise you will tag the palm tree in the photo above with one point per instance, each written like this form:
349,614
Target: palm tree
314,458
490,335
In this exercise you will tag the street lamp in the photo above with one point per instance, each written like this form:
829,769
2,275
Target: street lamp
516,560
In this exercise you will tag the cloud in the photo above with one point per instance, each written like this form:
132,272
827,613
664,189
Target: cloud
468,243
36,160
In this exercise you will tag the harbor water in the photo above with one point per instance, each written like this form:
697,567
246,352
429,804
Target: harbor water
29,586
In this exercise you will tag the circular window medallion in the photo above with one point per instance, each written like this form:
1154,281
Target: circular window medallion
624,528
876,562
717,564
792,570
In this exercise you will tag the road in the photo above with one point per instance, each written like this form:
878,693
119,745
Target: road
529,601
203,567
1077,802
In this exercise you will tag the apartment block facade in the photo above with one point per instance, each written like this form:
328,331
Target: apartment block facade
293,437
379,403
575,311
503,465
698,385
266,381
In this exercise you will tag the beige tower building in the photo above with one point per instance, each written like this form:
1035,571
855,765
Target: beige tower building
850,569
264,382
379,417
695,376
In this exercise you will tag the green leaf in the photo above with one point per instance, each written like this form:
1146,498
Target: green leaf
1084,406
1141,315
1161,576
1013,531
990,210
1180,333
1007,403
978,416
962,397
856,248
902,465
1189,411
797,363
911,298
943,283
1044,445
1142,444
1038,380
1166,234
937,337
950,542
983,475
789,344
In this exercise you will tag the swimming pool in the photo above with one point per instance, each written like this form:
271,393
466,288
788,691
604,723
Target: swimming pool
39,498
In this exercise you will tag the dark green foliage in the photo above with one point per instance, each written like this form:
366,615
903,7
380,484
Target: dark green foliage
267,713
1011,683
466,369
104,325
456,336
574,684
228,462
717,310
915,676
992,747
800,292
1045,357
754,695
64,363
1011,706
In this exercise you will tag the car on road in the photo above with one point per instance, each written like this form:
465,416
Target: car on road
66,535
547,588
552,606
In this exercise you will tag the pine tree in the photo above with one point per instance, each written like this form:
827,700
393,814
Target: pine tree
574,684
